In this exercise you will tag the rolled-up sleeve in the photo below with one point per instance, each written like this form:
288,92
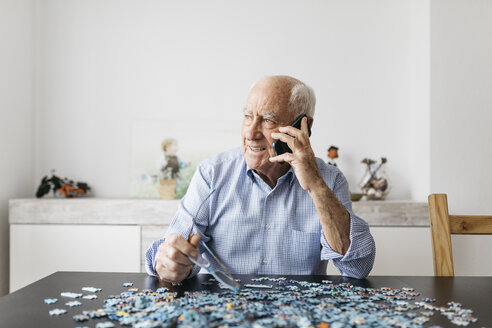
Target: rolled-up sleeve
150,256
359,258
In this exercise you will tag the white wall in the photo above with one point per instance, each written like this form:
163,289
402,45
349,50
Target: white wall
16,115
461,119
104,64
461,100
419,101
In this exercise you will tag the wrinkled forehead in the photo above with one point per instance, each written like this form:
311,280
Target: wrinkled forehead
271,95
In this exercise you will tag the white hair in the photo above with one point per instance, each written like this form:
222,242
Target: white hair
302,99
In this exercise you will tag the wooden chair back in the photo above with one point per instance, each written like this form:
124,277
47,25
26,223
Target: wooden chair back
443,225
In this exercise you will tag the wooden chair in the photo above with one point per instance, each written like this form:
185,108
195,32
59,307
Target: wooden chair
443,225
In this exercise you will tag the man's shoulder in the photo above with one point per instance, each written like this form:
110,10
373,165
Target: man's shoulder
331,174
327,168
233,157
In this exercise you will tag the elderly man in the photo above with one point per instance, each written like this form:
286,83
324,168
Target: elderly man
267,214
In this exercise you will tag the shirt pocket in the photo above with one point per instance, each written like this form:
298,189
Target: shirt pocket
305,251
304,220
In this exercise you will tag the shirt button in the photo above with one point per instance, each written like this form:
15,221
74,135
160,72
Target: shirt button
267,226
265,262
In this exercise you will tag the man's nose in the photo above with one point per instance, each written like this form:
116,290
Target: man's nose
253,130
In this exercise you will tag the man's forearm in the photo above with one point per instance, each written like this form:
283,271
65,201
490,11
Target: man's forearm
333,216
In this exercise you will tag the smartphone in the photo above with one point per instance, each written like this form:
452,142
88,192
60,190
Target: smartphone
280,147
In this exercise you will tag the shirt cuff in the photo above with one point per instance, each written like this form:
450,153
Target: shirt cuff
150,257
358,247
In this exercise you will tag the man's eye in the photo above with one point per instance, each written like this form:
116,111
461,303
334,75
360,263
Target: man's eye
247,117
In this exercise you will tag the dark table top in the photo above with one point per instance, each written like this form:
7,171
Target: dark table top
26,307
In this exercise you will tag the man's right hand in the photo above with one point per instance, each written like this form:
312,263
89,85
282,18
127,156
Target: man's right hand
172,263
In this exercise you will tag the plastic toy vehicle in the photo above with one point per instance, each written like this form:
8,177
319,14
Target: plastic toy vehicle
62,188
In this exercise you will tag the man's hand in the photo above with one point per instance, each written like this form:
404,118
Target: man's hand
172,263
302,158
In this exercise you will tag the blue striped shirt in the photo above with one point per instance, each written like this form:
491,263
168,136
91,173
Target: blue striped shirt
255,229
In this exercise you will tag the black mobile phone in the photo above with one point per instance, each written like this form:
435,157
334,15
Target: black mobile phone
280,147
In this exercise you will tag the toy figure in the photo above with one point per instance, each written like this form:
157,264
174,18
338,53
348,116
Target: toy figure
170,168
332,155
171,165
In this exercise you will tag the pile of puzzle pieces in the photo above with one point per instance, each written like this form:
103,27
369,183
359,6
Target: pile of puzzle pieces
273,302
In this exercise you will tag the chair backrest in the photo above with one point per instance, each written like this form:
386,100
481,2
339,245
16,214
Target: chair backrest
443,225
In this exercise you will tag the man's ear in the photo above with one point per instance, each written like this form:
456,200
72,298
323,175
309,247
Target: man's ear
310,121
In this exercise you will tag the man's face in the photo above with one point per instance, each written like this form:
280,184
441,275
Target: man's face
266,110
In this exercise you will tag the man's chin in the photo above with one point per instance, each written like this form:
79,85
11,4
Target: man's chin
255,163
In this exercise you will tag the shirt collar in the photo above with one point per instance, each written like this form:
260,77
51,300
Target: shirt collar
288,176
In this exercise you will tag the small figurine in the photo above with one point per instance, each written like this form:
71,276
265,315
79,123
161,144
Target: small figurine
62,187
332,155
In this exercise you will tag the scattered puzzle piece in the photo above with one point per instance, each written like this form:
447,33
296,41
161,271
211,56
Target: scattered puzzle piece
91,289
50,300
90,297
80,317
57,311
70,295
